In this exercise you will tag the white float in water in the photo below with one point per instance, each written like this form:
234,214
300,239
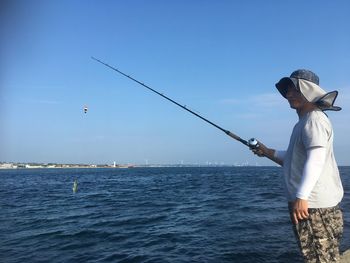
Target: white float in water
75,186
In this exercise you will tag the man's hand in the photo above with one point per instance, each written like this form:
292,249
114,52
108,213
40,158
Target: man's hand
300,210
262,150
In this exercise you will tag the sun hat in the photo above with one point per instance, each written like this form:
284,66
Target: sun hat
307,82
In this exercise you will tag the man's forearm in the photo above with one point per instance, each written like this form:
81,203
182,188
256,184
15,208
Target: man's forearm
270,154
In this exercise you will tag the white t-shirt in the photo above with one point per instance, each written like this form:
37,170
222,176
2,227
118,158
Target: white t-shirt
313,130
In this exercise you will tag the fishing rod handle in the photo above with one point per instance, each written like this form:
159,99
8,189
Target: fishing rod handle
234,136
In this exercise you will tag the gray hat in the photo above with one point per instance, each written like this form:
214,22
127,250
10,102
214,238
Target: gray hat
307,83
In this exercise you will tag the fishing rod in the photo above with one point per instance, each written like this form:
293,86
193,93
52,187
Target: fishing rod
251,143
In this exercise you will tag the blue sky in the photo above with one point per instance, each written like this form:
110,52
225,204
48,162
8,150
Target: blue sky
220,58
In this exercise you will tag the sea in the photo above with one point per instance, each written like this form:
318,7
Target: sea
174,214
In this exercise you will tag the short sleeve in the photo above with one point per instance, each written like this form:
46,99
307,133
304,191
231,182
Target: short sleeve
316,133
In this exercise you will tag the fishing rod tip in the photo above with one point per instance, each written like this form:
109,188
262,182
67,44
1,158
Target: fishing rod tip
96,59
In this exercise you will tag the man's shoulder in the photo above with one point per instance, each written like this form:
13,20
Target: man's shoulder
318,116
317,120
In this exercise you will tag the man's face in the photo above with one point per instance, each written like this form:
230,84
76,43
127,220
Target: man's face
295,98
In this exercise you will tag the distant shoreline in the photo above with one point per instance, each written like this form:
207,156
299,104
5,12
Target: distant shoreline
13,166
59,166
119,166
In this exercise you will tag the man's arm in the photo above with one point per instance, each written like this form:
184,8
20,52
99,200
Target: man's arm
315,160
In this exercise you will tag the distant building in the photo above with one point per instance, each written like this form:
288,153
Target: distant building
7,166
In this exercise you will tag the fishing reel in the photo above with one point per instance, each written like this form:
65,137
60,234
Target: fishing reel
253,143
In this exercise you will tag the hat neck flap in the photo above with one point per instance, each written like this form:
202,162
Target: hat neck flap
315,94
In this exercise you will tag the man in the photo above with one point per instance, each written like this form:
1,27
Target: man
312,180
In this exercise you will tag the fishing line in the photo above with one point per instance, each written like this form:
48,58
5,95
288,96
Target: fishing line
251,143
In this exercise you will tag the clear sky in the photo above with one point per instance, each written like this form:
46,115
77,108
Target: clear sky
220,58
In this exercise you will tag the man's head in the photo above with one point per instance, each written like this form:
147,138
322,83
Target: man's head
306,83
295,98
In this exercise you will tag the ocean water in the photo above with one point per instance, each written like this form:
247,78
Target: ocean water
226,214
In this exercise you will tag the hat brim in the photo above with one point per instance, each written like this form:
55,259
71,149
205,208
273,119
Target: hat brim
284,84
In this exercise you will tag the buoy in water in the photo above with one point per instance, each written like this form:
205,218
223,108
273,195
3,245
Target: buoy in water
75,186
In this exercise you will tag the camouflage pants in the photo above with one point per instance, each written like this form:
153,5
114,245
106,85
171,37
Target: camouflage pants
319,236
